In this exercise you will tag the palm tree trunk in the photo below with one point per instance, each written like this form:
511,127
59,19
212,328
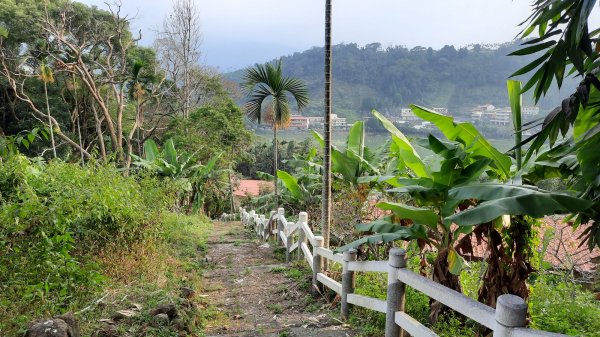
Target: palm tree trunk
49,120
275,163
326,207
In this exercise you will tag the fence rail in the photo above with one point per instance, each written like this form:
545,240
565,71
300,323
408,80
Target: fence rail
508,319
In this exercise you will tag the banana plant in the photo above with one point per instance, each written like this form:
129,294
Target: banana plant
302,184
166,162
208,180
356,160
197,180
427,186
514,198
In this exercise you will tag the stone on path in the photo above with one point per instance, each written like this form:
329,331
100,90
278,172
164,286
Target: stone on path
59,326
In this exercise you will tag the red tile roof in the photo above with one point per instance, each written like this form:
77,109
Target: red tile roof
252,187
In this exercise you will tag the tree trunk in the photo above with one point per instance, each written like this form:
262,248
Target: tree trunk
275,163
508,264
99,133
326,207
50,120
442,275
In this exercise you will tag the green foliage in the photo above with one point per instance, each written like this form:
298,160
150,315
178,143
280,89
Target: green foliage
566,20
199,183
516,101
55,217
387,78
466,134
505,199
10,145
210,130
455,163
356,160
558,305
167,163
264,81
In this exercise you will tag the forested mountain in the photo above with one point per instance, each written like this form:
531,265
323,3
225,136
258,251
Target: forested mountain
387,79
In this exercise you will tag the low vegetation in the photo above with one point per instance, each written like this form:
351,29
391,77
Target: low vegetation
74,235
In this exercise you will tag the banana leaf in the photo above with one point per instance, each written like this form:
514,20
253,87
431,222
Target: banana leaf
406,152
291,184
534,204
467,134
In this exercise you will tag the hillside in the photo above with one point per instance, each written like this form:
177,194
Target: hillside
370,77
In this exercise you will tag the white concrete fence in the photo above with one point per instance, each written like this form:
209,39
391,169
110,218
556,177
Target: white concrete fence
507,320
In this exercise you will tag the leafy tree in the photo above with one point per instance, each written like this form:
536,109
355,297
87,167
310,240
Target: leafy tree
264,81
425,190
566,40
386,79
212,129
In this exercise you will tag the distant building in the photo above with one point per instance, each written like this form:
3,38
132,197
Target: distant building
338,122
530,110
501,117
299,122
488,113
443,111
408,115
318,122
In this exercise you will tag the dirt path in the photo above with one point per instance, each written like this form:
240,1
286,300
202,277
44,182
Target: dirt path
257,295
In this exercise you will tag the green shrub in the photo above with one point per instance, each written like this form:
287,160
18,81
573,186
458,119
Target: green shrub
557,305
55,217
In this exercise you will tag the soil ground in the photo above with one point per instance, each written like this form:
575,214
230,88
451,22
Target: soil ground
258,295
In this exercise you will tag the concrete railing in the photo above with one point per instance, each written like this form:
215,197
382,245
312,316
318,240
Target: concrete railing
508,319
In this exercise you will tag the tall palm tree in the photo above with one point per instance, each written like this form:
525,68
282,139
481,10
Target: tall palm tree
326,207
264,81
46,77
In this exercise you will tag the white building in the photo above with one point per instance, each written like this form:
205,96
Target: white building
443,111
408,115
318,122
530,110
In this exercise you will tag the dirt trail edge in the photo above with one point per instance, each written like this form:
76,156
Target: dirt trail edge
256,294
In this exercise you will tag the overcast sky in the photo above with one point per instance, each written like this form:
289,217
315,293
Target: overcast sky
238,33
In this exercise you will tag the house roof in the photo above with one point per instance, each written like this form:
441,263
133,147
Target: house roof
251,187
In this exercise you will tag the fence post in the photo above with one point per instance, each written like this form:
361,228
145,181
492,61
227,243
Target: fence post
289,240
317,265
395,292
270,225
302,218
348,281
265,232
511,312
261,224
280,213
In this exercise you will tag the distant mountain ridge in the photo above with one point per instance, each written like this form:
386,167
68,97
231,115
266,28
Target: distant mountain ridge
371,77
